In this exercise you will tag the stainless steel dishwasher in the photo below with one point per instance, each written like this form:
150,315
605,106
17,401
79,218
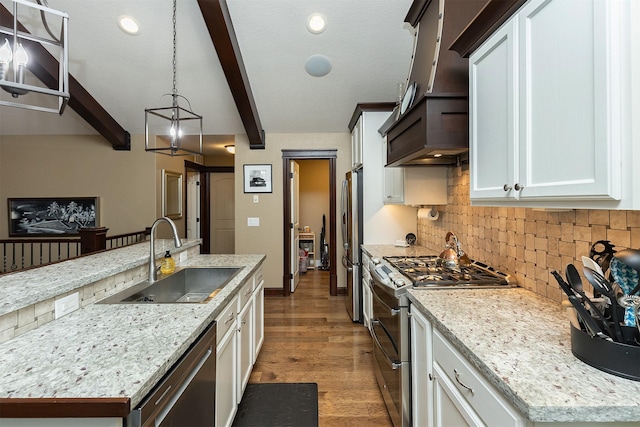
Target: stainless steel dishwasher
185,396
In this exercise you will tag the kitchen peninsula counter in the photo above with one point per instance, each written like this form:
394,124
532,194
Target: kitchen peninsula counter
109,354
521,344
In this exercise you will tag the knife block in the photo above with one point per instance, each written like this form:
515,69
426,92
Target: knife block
622,360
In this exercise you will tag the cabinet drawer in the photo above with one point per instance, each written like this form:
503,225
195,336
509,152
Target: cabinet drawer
226,319
257,277
481,396
245,293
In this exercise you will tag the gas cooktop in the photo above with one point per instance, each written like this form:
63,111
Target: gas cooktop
428,271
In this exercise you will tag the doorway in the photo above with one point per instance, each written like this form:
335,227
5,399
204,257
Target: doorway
298,155
206,175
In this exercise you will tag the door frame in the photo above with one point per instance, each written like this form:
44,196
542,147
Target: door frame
287,156
205,199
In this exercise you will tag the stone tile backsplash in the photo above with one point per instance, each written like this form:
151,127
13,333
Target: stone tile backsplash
524,242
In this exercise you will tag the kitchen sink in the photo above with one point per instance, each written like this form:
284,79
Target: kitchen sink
185,285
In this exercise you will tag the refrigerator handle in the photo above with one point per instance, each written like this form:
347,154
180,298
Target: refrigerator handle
347,264
345,208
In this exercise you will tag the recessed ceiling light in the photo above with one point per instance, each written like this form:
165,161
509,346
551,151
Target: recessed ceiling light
128,24
316,23
318,65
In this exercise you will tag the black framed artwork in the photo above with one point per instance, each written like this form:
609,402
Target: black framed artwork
257,179
51,216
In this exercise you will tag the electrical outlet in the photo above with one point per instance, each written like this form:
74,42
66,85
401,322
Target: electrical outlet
67,304
253,222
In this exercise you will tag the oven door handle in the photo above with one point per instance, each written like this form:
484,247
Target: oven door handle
392,364
393,311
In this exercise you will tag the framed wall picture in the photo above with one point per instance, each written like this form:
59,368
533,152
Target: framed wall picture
257,179
51,216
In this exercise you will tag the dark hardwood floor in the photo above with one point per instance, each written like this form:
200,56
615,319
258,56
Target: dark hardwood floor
310,338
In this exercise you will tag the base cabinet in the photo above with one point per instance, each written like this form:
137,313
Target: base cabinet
367,303
240,337
446,390
421,370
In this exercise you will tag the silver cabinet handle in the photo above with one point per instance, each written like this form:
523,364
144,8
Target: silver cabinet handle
506,187
518,187
231,316
457,374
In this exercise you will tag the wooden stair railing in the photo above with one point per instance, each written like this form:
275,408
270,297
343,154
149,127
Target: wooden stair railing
23,254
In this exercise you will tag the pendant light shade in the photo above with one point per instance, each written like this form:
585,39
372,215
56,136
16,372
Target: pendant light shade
173,130
18,46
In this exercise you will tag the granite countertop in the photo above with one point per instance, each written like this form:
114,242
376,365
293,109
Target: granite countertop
521,343
112,351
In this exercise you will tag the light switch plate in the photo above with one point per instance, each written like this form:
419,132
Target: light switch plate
66,305
253,222
256,198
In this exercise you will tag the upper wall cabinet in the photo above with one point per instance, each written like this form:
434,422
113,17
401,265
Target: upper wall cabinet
550,108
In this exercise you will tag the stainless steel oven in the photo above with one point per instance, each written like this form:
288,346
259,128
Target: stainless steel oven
390,317
390,330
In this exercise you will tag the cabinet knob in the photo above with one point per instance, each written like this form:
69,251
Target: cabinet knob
506,187
518,187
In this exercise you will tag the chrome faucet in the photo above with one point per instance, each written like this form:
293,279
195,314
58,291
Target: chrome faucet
153,270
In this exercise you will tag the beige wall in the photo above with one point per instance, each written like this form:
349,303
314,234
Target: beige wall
314,197
268,237
127,182
525,242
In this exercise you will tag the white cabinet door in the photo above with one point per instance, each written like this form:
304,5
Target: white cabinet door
226,379
244,333
258,319
393,186
566,148
356,144
421,370
367,302
545,106
492,116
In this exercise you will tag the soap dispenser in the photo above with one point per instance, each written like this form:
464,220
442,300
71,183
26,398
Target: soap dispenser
168,264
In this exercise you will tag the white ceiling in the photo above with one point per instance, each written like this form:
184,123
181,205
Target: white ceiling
367,42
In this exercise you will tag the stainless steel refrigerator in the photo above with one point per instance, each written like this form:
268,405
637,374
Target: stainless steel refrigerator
351,213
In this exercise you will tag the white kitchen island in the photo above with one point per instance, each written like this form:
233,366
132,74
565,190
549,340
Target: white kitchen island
103,359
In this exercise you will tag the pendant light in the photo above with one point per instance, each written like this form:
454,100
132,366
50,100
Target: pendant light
174,130
18,46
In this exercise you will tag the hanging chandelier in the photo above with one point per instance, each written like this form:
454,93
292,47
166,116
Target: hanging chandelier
18,46
174,130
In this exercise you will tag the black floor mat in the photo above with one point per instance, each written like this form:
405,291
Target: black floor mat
278,405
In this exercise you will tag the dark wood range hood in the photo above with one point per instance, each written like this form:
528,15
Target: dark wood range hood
435,129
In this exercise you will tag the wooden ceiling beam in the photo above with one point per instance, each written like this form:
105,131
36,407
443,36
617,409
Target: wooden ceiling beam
45,67
218,21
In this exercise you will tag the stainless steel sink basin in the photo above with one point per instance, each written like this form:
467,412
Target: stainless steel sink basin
185,285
